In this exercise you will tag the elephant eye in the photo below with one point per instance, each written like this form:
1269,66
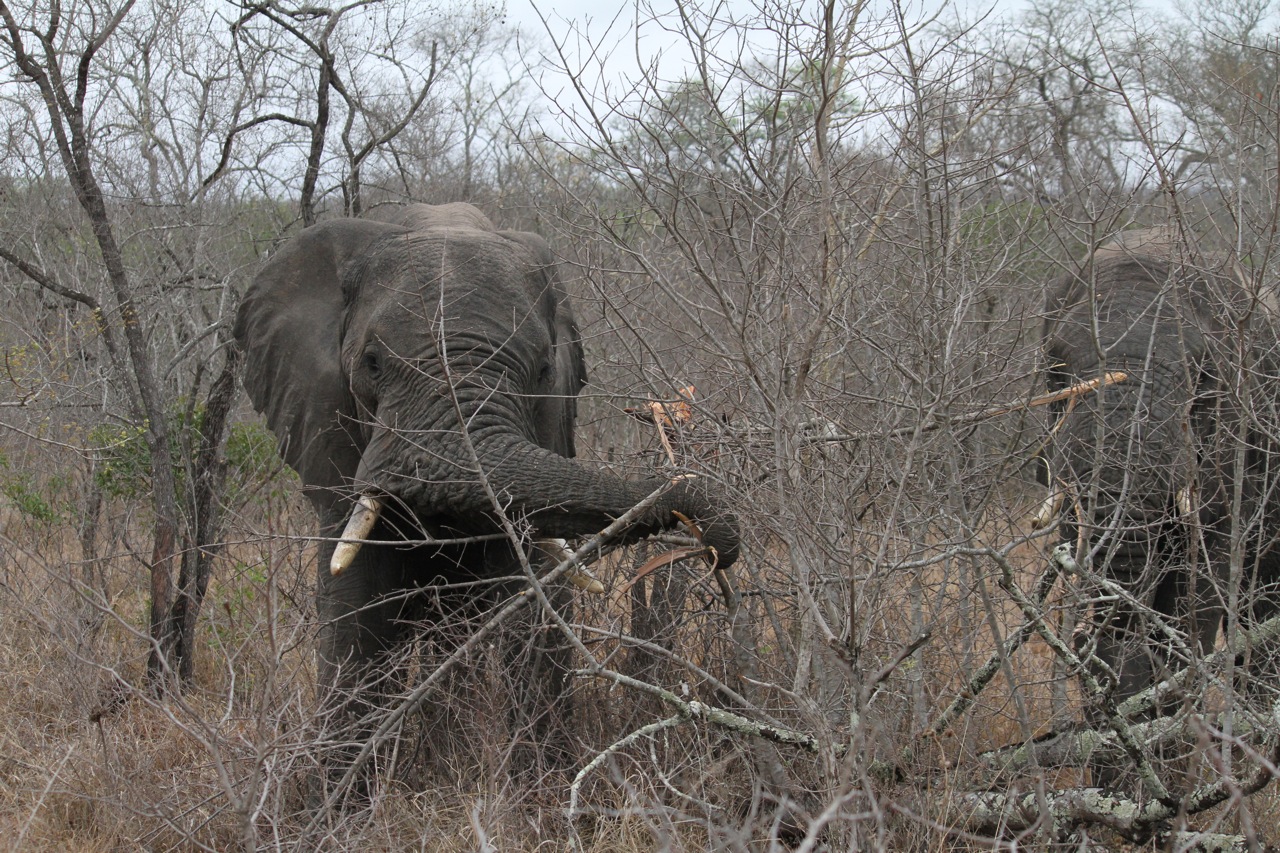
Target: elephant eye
372,362
544,374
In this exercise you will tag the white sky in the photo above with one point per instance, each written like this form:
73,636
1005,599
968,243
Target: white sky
599,36
595,15
610,24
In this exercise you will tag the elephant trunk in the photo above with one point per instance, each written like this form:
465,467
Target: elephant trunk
559,497
369,509
564,497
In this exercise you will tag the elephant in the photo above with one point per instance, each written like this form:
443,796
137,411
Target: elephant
1160,471
420,370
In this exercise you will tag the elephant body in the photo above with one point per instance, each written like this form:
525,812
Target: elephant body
431,360
1162,477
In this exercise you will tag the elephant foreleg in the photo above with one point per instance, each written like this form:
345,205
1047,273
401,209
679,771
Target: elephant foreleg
363,619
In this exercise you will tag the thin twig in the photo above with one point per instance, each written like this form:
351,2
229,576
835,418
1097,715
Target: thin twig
644,731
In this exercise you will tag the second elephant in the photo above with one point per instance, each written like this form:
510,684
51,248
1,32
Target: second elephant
1164,477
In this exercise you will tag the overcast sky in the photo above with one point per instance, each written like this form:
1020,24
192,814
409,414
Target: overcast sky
599,37
610,24
597,14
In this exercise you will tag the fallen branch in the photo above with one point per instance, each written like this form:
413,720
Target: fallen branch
1262,635
1073,748
1067,810
1063,811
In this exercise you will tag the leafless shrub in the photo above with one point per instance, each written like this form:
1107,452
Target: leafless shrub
836,224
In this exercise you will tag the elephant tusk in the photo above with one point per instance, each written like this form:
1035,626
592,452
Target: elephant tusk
1048,510
361,523
1185,500
558,550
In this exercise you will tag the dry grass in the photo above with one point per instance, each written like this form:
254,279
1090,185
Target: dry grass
89,761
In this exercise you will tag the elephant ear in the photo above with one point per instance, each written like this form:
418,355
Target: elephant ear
289,326
558,411
571,375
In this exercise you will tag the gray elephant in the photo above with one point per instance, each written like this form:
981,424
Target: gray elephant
1158,472
419,370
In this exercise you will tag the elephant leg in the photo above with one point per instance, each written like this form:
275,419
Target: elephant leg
536,657
1140,653
463,723
1261,686
1122,650
1124,656
1191,603
362,618
1123,647
657,610
1196,600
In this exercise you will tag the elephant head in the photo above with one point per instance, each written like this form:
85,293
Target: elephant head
1145,469
429,363
1129,456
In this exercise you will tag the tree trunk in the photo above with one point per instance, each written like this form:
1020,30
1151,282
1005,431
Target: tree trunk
208,477
66,112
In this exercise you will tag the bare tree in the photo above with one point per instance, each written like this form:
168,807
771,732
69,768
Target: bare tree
837,227
60,59
809,247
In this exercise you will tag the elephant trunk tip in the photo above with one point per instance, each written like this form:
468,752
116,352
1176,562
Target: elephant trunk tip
718,533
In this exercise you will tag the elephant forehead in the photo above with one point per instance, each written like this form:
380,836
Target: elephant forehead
453,259
411,326
387,308
466,269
